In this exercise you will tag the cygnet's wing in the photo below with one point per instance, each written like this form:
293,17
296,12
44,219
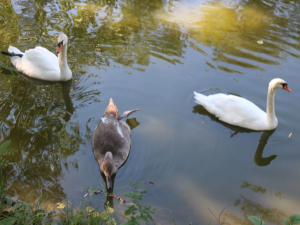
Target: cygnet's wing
123,152
127,113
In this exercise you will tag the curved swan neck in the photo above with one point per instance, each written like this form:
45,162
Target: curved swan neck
271,118
65,71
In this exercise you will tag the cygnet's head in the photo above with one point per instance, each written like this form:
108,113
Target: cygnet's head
108,168
112,108
61,41
278,83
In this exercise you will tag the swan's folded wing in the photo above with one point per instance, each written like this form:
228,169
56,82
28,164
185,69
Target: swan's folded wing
236,110
123,152
40,63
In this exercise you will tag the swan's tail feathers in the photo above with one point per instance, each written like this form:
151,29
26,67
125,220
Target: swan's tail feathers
200,99
13,51
11,54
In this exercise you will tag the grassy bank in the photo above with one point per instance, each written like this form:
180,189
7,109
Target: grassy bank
14,211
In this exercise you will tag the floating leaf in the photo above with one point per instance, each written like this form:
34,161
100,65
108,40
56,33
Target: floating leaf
92,190
60,205
290,135
256,221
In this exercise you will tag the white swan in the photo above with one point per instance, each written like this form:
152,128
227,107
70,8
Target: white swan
42,64
241,112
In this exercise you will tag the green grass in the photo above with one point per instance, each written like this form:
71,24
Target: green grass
18,212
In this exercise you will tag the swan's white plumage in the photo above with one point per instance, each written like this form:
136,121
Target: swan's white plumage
42,64
234,110
239,111
38,63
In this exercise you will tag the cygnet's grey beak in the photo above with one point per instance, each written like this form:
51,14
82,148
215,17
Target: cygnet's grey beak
108,183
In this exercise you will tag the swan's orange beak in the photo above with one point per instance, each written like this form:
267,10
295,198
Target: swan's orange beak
287,88
59,47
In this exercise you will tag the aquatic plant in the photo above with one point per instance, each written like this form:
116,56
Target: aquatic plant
11,69
137,211
4,151
18,212
293,220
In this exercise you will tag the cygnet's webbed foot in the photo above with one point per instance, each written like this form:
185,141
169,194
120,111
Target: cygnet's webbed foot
127,113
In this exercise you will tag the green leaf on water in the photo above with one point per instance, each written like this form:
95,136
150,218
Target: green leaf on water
286,222
91,190
294,218
256,221
8,221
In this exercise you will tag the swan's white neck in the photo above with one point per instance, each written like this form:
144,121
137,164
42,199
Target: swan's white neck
65,72
271,118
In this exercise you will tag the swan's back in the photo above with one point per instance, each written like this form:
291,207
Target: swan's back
234,110
37,63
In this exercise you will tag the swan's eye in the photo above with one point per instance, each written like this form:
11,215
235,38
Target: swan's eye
284,85
60,43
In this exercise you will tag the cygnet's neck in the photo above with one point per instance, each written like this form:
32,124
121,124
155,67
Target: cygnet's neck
271,118
65,72
108,164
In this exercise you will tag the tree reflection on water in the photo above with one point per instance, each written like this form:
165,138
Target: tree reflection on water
131,32
33,117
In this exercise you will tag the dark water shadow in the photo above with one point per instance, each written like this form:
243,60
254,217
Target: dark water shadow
132,123
65,91
258,157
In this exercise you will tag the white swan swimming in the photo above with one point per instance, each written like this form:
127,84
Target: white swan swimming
40,63
241,112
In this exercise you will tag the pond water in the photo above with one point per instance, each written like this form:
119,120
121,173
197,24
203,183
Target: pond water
152,55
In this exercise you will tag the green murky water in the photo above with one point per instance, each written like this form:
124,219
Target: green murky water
152,55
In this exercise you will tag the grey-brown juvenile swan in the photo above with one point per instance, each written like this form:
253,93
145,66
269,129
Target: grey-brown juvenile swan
111,141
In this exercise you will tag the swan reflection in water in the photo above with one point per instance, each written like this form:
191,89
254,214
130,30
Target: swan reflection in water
65,90
258,157
132,123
